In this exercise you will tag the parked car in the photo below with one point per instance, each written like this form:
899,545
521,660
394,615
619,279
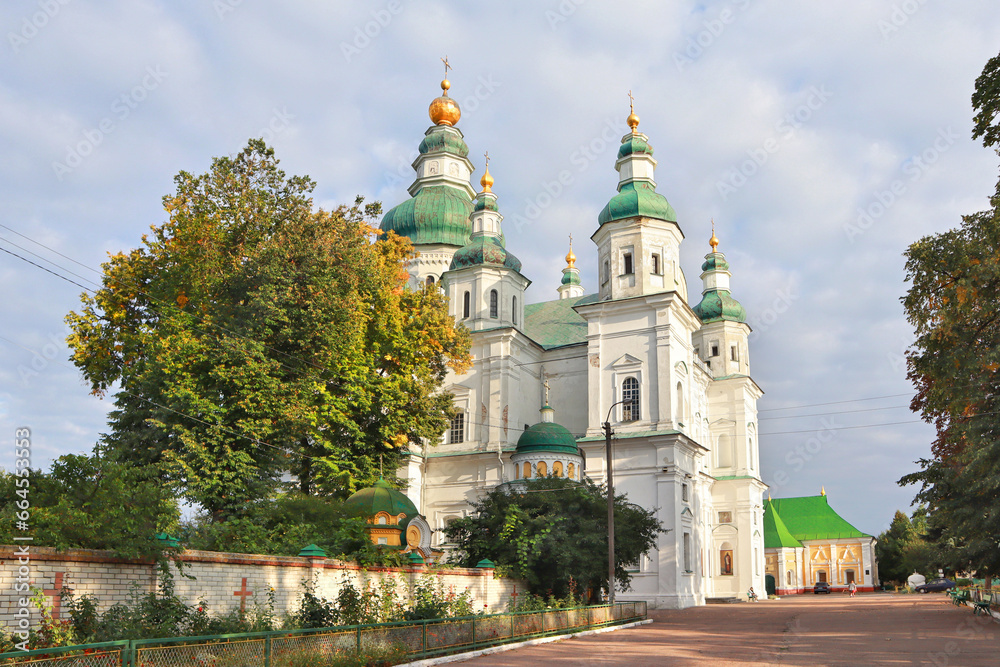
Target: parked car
821,587
939,584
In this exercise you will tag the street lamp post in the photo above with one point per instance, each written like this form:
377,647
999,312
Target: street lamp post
611,501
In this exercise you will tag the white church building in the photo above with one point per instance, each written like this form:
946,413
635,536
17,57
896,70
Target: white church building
685,438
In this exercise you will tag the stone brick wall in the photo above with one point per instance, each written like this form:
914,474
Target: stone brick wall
223,581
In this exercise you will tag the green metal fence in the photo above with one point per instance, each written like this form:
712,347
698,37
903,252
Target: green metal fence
421,639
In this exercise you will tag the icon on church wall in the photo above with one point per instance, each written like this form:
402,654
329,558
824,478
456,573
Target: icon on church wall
727,562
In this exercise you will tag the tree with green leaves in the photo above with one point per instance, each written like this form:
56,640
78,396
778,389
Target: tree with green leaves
250,336
92,502
954,306
552,531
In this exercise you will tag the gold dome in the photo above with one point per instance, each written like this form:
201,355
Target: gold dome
633,119
570,256
444,110
487,180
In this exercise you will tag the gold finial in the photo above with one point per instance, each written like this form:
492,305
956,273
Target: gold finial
822,490
632,120
444,110
487,181
769,495
714,242
570,257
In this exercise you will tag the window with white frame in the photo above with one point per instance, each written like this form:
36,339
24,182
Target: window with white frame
630,400
456,432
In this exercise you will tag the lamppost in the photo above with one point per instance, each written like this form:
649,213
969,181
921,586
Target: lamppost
611,500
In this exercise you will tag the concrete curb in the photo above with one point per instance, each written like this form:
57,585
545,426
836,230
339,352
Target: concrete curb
509,647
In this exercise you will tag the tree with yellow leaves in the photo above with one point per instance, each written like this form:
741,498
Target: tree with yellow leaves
251,336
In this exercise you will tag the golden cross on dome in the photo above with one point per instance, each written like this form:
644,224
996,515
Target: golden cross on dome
546,385
570,241
446,66
631,99
487,156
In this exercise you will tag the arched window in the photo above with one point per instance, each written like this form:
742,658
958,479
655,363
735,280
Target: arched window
494,304
541,470
572,471
788,578
557,469
630,396
606,273
680,402
430,280
527,470
466,304
513,311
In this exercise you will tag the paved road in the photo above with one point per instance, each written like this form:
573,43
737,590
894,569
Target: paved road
813,630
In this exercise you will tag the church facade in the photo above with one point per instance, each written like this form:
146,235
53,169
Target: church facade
672,378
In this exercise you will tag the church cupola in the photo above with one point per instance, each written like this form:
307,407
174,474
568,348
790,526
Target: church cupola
436,217
722,340
484,281
570,287
638,238
547,449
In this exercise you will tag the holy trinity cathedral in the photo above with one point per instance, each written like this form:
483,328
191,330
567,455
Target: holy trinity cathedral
673,379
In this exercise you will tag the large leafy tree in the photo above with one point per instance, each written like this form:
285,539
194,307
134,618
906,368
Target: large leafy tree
251,335
954,305
549,531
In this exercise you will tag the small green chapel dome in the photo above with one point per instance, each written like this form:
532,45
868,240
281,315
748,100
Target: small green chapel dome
719,305
570,278
547,437
485,250
634,144
380,498
715,262
638,198
444,140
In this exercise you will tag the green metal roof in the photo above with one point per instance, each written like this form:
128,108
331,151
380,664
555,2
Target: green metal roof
638,198
570,278
719,305
379,498
775,532
437,214
634,144
715,261
444,140
485,250
554,324
547,437
812,518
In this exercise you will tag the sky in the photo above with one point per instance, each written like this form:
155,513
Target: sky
822,139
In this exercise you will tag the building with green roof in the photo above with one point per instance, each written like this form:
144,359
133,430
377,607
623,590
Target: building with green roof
670,374
806,541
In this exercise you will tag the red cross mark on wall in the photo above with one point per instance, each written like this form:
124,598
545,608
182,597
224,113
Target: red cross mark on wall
243,594
55,593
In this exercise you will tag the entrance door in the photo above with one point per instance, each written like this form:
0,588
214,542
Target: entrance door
769,584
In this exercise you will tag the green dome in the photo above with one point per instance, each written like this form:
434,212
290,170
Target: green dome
719,305
446,141
485,250
486,204
437,214
635,199
715,262
547,437
632,145
570,278
380,498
